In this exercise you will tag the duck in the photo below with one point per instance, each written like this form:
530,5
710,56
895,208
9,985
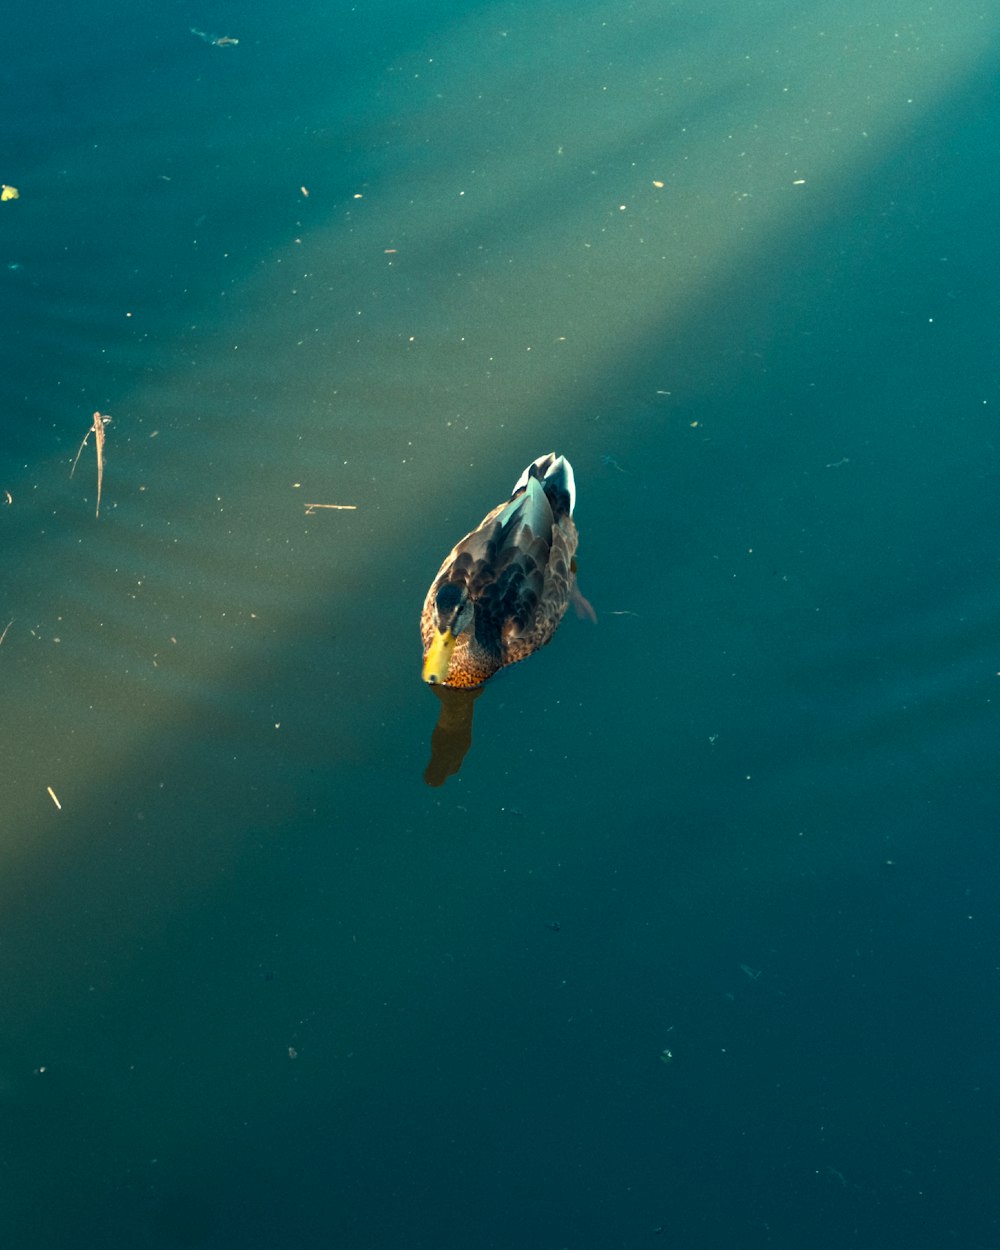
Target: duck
503,589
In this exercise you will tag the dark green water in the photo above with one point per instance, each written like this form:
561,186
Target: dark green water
700,948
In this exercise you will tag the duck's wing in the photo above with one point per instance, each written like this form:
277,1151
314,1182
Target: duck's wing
543,494
525,588
502,562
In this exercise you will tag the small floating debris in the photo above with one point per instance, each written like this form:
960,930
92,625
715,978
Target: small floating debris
9,193
97,430
312,508
217,41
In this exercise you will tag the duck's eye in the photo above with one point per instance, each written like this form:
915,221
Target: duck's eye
449,597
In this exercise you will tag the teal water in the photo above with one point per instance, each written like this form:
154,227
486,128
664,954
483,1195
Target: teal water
699,948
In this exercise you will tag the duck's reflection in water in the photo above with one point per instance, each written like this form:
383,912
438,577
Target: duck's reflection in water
452,735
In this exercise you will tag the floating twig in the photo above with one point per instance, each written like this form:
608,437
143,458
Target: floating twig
98,432
52,796
337,507
5,628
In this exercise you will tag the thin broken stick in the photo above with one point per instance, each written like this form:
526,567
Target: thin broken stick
5,628
98,432
338,507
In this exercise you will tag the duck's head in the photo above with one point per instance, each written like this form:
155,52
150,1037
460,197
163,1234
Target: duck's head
453,615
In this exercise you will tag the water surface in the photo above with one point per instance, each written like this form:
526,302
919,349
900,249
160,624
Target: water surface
263,986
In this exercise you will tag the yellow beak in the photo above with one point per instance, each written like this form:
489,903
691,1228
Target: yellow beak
438,658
